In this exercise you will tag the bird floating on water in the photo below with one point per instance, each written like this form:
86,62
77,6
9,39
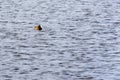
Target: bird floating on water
38,27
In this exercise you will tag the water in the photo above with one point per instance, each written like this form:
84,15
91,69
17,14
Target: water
79,41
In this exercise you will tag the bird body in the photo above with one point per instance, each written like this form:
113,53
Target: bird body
38,27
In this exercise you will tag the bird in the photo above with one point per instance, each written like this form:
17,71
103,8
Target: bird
38,27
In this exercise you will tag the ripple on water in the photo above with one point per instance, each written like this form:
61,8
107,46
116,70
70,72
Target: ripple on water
79,40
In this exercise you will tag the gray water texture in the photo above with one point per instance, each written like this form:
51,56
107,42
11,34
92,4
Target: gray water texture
80,40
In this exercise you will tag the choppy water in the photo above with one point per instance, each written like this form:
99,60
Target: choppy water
80,40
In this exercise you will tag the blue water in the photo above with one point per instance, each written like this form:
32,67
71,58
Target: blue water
79,41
